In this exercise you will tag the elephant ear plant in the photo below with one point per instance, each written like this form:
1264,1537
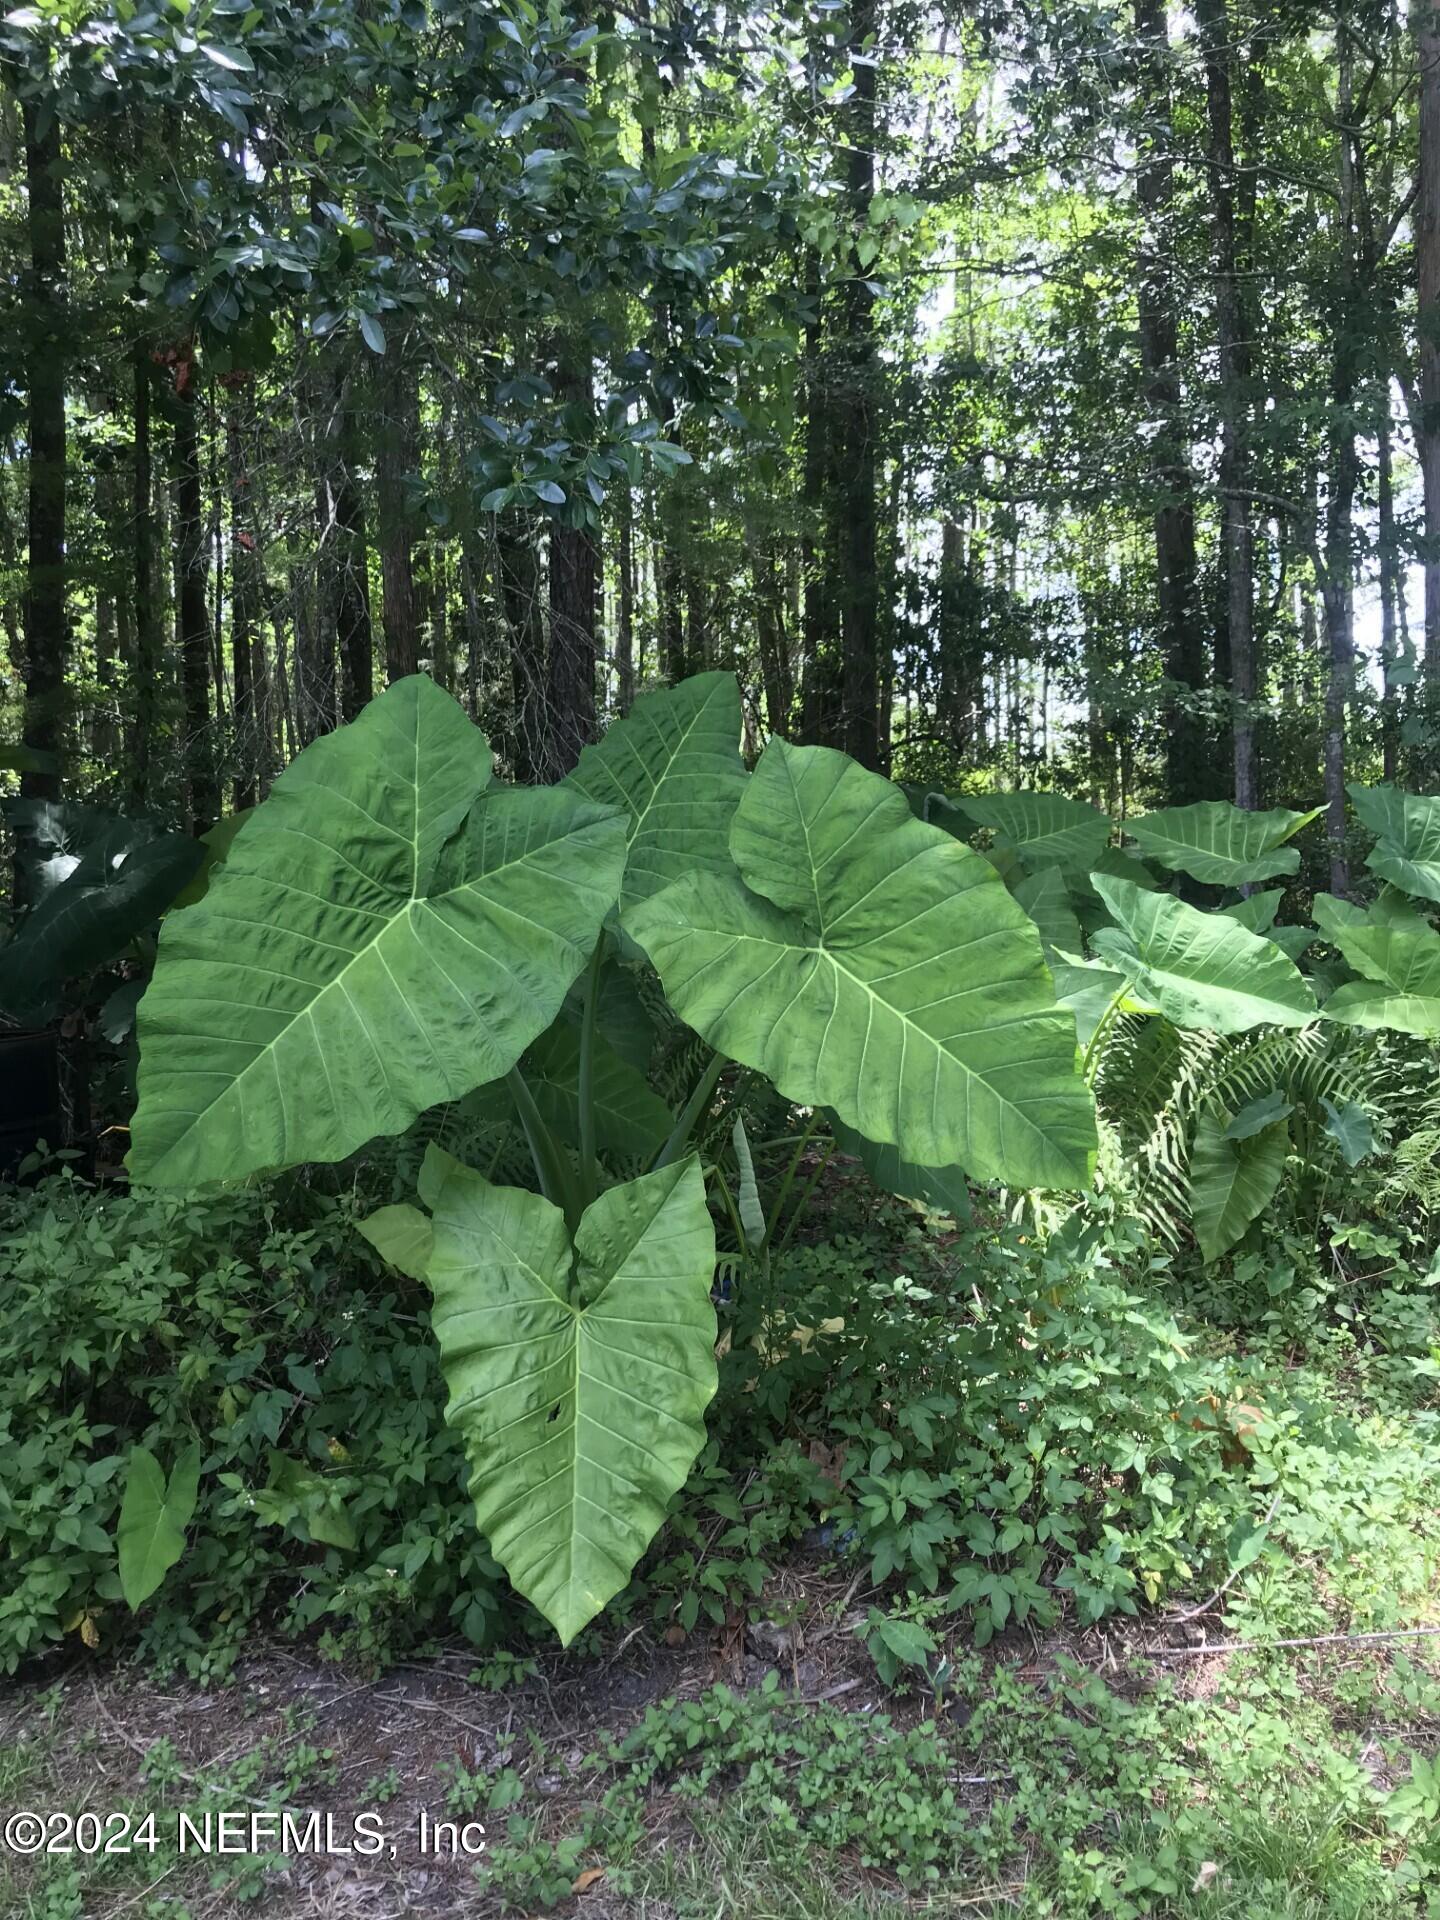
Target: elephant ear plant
394,930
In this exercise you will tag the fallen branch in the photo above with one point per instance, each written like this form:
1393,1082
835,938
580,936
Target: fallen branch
1311,1640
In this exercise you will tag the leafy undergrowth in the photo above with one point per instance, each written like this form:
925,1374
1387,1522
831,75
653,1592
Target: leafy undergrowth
925,1632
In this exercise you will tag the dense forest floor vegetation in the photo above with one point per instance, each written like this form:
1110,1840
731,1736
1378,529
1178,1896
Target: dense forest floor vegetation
927,1630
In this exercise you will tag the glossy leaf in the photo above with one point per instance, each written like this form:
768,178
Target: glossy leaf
1199,969
872,964
1216,842
673,767
1258,1114
1232,1181
578,1376
361,956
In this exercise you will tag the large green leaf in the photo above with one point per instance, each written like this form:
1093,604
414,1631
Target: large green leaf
673,765
872,964
360,955
1043,829
1216,842
943,1189
1046,897
150,1537
1088,987
630,1118
1408,853
579,1377
1232,1181
1258,914
620,1014
1200,969
1400,959
401,1235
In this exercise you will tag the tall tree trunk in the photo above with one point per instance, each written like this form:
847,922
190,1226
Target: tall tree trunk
397,431
857,408
1181,639
625,610
1426,225
1236,538
1342,476
574,561
772,638
353,630
46,348
1391,595
818,625
520,594
570,657
244,604
193,605
149,649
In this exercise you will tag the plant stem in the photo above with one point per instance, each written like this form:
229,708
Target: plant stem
804,1200
589,1172
802,1142
699,1099
557,1182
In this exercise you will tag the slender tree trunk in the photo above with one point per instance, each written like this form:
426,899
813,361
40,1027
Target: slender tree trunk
1391,596
625,611
46,350
770,631
1182,643
1426,226
353,629
149,649
570,662
1236,537
818,629
396,449
244,604
1342,476
193,605
857,406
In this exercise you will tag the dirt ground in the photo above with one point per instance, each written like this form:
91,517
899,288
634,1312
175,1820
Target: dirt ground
289,1729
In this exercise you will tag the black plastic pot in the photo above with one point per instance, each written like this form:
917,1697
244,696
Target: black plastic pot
29,1097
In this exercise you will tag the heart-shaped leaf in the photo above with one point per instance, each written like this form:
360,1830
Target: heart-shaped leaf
360,955
1199,969
1216,842
578,1376
872,964
153,1518
1408,853
1232,1181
